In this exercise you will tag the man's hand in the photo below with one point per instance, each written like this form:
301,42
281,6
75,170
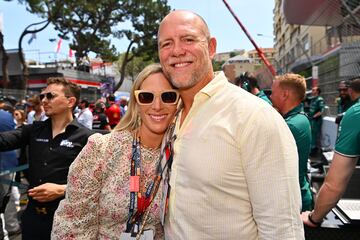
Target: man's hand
47,192
305,219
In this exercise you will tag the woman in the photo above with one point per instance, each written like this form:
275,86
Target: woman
20,117
97,203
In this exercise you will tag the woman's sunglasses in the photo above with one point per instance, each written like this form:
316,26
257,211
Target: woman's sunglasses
144,97
48,95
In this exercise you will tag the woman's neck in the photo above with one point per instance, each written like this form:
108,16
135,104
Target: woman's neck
149,139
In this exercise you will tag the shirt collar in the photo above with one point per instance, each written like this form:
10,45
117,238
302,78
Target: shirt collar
213,86
295,110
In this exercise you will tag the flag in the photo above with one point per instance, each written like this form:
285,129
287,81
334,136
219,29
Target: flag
58,45
70,53
33,36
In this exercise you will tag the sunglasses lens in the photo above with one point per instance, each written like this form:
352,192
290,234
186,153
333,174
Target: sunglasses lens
169,97
146,97
48,95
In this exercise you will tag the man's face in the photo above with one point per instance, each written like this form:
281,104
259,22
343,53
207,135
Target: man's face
276,96
58,103
343,91
314,92
184,50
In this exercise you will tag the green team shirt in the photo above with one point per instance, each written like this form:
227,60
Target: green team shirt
348,141
317,104
300,128
263,96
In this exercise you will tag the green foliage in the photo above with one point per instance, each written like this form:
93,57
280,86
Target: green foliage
217,65
91,24
134,67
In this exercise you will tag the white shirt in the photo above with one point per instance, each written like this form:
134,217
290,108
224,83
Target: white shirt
31,117
85,118
235,170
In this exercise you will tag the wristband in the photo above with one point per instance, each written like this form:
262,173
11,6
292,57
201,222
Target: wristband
313,222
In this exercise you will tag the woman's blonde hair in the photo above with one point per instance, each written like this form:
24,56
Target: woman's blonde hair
131,120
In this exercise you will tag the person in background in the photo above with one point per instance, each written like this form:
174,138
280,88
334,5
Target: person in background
85,116
317,106
20,117
347,152
123,105
97,203
100,120
8,160
343,101
288,91
37,113
53,145
113,112
234,173
249,83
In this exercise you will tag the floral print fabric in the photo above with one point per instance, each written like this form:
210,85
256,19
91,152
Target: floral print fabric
97,199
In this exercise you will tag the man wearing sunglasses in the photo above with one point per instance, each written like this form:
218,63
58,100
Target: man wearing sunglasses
235,168
52,146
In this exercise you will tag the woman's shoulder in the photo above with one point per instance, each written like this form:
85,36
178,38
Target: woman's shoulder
114,136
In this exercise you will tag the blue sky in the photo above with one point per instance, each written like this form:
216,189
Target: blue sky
256,16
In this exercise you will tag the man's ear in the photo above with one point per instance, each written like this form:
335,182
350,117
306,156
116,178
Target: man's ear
72,102
212,48
286,94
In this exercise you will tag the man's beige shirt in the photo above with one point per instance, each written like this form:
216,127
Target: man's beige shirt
235,170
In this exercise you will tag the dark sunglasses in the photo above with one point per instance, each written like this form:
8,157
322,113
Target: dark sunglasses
144,97
48,96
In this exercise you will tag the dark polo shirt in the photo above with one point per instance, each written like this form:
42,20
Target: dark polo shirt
49,158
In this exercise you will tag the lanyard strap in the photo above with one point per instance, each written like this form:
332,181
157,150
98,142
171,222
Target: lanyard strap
143,202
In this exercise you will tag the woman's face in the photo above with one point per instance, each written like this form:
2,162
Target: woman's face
156,116
17,115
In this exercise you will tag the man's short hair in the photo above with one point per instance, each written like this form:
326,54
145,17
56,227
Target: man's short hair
34,101
295,82
355,84
70,88
85,101
248,79
111,97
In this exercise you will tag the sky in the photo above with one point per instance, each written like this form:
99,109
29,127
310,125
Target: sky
255,15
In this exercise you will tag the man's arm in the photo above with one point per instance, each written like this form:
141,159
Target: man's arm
332,189
270,158
47,192
11,140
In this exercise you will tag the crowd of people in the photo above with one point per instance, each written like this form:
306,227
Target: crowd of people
224,162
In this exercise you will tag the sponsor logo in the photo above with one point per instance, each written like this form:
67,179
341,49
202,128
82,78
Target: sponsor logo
66,143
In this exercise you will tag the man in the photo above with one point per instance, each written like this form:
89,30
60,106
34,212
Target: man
8,160
316,110
248,82
347,152
53,145
343,101
85,116
113,112
288,91
100,120
235,170
37,112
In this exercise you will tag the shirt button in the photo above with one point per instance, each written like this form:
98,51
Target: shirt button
45,163
40,180
50,148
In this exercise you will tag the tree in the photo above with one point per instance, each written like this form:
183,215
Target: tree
145,17
5,59
134,67
88,23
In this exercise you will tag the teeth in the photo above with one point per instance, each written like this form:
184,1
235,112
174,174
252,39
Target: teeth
157,117
181,64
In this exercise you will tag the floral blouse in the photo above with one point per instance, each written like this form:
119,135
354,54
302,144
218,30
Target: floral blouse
97,199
